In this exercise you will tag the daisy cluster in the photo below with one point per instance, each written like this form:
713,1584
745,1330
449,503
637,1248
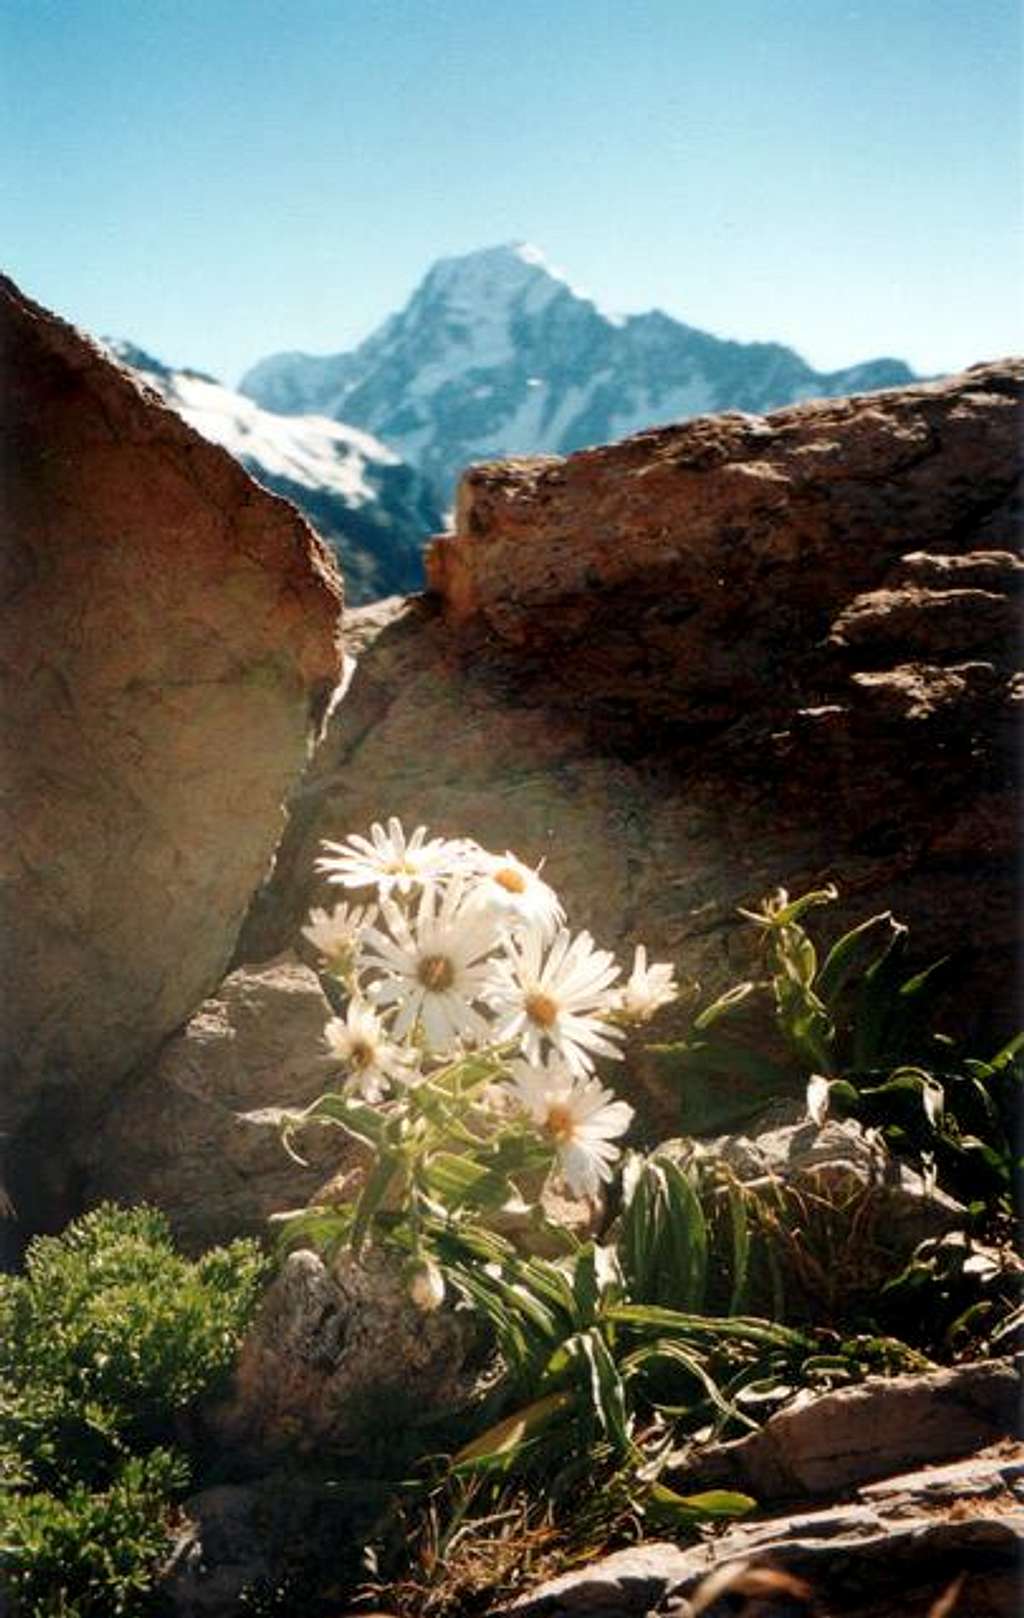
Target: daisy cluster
451,950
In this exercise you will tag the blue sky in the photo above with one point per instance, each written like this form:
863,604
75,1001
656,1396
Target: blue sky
220,179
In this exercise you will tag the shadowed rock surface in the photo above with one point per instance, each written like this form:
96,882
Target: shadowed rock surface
169,639
196,1135
715,658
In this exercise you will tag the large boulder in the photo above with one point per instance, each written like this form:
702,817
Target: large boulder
169,639
710,660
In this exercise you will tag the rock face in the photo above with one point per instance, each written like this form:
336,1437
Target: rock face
169,640
196,1135
714,659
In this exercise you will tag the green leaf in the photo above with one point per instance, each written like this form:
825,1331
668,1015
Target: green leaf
666,1349
877,1001
664,1238
586,1284
607,1391
500,1444
740,1328
664,1505
371,1198
366,1123
846,955
483,1180
1004,1057
740,1244
725,1003
789,913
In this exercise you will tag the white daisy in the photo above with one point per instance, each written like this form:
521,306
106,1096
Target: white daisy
647,989
578,1116
516,893
336,935
433,966
360,1040
388,859
561,1001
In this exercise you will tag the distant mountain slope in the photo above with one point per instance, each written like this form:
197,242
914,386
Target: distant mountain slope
495,354
372,508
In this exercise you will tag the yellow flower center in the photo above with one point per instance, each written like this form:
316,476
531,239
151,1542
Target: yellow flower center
361,1054
541,1009
436,972
559,1123
512,881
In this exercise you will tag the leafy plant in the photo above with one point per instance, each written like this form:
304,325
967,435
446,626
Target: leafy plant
87,1553
109,1334
105,1341
611,1357
856,1036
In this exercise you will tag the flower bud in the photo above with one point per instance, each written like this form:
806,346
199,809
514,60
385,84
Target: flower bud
424,1284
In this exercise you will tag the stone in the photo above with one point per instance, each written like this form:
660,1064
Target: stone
631,666
169,640
340,1355
838,1162
219,1553
827,1444
899,1546
196,1135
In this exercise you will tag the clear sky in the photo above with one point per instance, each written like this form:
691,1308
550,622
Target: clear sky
220,179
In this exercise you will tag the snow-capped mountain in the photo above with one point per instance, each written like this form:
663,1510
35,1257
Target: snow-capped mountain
372,508
495,353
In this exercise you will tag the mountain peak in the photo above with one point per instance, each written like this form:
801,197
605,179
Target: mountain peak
493,275
497,353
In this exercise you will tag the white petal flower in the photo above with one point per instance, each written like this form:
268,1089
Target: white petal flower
647,989
388,859
516,893
360,1040
432,966
336,936
559,999
578,1115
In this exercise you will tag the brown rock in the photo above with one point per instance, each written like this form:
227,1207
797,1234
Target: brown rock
340,1357
628,672
169,637
827,1444
197,1135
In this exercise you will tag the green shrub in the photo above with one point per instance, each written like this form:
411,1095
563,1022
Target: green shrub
105,1341
108,1335
86,1554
